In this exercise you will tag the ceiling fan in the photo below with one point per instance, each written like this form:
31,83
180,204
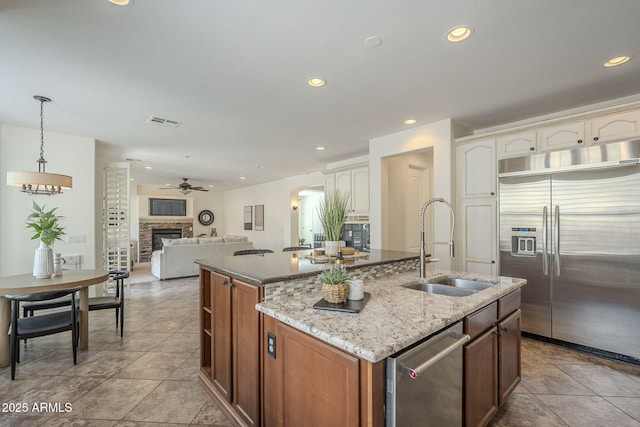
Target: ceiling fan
185,187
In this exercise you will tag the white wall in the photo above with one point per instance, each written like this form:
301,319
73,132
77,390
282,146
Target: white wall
197,201
437,135
67,155
276,198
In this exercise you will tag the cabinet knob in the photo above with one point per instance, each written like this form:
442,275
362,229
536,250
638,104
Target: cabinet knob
595,138
493,193
225,283
579,141
493,261
532,148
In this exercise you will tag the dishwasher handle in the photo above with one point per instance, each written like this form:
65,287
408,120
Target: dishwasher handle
461,339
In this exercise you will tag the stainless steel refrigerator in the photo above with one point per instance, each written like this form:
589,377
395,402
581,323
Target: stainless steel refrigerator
570,225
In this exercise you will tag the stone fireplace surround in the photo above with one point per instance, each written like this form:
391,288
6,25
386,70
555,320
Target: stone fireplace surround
146,231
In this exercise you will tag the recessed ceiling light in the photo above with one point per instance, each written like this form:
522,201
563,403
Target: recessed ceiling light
459,33
121,2
319,148
188,156
410,121
168,185
148,167
131,179
316,82
243,177
210,185
260,167
373,41
616,61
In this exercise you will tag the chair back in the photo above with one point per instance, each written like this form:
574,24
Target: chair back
296,248
253,252
43,296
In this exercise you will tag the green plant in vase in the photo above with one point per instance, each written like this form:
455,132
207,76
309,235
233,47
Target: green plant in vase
46,227
334,284
333,213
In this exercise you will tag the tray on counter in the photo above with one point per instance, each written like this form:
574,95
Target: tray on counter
326,258
348,306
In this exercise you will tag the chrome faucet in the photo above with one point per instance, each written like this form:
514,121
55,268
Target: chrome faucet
423,261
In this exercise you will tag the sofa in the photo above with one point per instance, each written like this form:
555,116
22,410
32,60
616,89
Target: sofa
176,258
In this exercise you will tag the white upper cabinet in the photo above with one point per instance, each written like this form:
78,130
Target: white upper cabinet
355,182
516,144
567,135
477,169
615,127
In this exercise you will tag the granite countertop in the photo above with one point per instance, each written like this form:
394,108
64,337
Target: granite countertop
278,267
394,318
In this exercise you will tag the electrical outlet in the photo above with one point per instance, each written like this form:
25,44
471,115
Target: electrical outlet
79,238
271,344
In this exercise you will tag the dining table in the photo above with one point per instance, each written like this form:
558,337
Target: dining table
28,284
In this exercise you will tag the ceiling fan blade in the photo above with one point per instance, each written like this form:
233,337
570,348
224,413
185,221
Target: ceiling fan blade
199,189
169,188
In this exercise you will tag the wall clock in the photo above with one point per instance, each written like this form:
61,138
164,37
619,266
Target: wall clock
206,217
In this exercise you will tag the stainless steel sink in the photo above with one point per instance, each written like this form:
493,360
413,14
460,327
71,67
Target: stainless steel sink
455,282
434,288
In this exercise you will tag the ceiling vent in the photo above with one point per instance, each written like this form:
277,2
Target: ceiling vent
163,122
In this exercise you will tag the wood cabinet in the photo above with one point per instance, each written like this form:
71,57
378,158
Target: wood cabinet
230,345
477,207
354,181
567,135
615,127
517,144
310,383
492,359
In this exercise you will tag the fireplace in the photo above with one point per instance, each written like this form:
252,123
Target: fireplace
157,234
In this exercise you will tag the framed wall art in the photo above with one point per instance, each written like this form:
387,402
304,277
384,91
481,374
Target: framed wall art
248,211
259,218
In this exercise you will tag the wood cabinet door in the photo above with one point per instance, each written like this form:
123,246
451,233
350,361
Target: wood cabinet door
319,383
477,169
481,379
246,350
510,357
221,331
517,144
568,135
615,126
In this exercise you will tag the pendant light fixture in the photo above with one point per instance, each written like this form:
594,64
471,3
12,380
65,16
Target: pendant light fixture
39,182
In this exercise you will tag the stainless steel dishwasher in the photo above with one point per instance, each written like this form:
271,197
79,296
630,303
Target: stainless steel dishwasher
424,382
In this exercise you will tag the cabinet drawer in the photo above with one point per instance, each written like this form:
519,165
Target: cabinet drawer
508,304
481,320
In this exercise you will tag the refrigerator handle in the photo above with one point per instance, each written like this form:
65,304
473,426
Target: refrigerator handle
556,241
545,255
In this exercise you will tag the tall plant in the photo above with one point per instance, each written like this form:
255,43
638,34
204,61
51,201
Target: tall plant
333,212
45,224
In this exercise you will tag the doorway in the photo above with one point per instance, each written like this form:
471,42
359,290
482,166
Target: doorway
409,184
305,221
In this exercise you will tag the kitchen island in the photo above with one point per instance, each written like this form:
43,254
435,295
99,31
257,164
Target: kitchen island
264,346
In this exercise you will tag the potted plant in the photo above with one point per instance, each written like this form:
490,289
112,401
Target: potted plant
333,212
334,284
46,227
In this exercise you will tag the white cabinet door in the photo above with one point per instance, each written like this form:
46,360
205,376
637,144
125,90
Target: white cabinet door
615,127
329,182
567,135
517,144
360,190
479,231
477,169
343,181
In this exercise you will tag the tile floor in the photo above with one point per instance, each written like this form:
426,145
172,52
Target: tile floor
149,378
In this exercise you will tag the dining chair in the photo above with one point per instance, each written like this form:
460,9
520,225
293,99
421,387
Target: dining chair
95,303
296,248
113,302
46,324
253,252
